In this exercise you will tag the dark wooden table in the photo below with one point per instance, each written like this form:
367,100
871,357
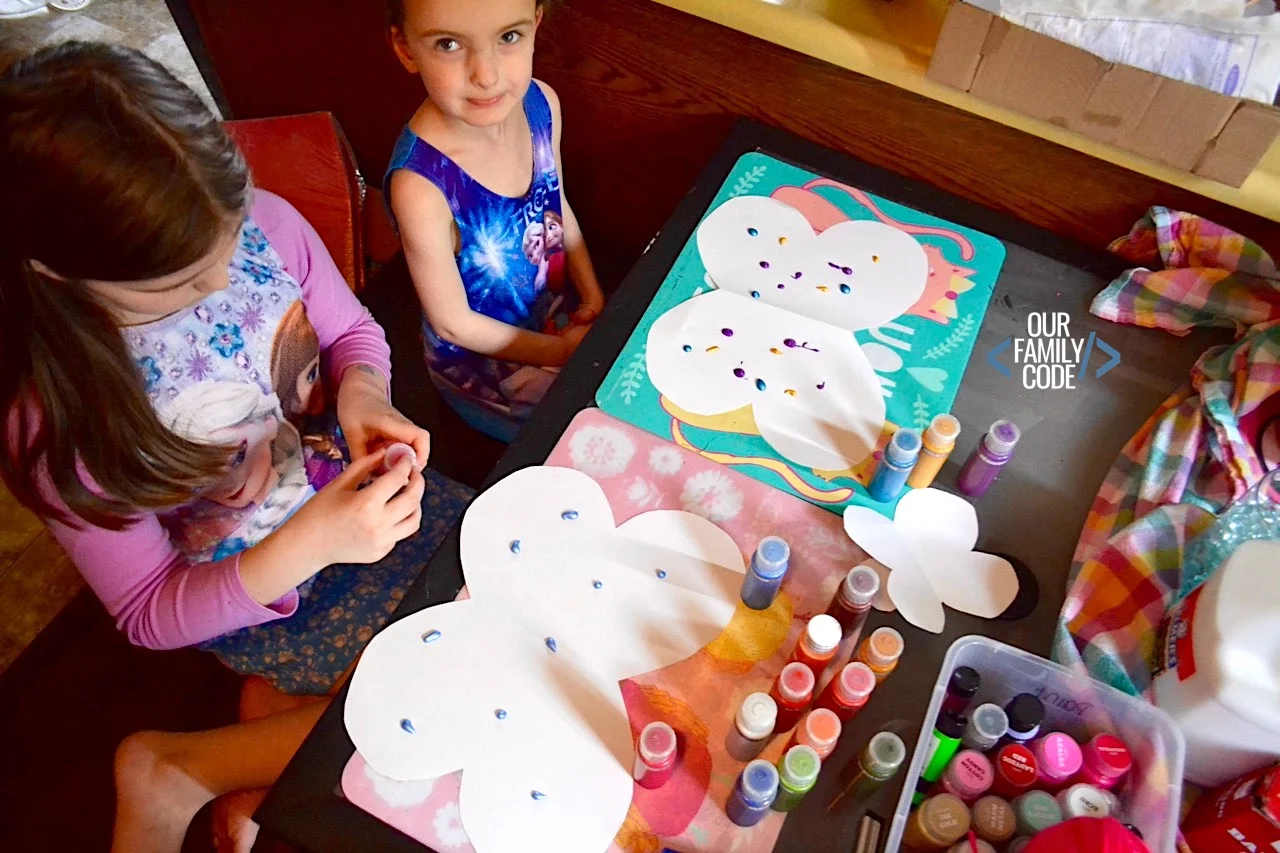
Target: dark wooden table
1034,513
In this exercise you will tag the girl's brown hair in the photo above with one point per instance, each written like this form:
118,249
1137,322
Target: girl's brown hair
110,169
395,12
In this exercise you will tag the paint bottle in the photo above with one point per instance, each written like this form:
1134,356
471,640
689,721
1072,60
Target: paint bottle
1025,713
942,747
899,458
1015,769
939,441
797,774
1018,845
1036,811
395,453
655,755
849,691
991,454
792,693
1084,801
1106,762
752,726
961,688
938,823
852,601
753,794
993,819
977,846
1058,758
879,762
987,724
764,577
819,729
881,651
968,776
817,646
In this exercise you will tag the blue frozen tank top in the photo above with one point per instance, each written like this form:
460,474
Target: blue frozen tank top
509,248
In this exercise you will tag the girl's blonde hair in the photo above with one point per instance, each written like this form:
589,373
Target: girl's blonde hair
110,169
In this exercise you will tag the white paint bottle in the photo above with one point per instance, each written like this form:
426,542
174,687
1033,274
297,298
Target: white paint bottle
1218,675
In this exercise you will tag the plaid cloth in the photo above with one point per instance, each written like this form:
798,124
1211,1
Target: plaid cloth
1196,454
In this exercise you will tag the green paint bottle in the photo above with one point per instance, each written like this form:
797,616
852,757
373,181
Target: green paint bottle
797,774
943,744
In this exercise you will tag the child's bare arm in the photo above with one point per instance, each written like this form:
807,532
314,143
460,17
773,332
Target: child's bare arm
426,230
581,270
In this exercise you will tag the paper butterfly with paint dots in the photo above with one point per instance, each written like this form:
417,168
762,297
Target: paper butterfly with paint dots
776,333
517,686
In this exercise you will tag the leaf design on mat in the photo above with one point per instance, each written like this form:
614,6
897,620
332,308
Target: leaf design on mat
920,413
631,378
958,336
748,181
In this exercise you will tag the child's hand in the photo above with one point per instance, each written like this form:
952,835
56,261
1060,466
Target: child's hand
571,337
370,422
346,524
590,307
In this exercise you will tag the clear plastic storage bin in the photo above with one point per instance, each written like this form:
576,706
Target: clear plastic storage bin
1082,707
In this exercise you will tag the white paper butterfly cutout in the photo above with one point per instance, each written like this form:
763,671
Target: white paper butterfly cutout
475,685
777,333
928,546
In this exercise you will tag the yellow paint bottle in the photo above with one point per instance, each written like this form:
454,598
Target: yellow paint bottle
939,441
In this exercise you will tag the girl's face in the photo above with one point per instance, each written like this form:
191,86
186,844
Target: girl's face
310,398
133,303
555,233
476,58
251,476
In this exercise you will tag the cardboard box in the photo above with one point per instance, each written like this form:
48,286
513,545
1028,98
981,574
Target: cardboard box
1185,126
1238,816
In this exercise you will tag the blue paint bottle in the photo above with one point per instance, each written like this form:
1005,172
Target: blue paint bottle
764,576
753,794
899,458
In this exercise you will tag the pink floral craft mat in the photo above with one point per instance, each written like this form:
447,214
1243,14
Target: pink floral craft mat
640,472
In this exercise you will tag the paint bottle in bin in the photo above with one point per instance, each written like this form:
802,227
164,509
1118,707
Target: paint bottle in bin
1058,758
819,729
938,823
852,601
655,755
1036,811
792,693
988,458
961,687
993,819
752,726
1107,761
978,846
899,458
968,776
764,577
987,725
944,742
939,441
797,774
753,794
818,644
1025,713
848,692
1015,769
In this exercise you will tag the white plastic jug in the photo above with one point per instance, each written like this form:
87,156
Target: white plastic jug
1219,674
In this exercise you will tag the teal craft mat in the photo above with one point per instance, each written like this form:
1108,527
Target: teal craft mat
938,333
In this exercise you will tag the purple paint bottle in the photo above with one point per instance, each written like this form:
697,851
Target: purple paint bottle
984,464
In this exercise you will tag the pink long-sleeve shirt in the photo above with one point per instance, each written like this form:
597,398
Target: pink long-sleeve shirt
157,577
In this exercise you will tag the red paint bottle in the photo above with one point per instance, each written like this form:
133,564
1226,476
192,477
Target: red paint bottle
852,601
655,755
1015,771
793,691
849,691
817,646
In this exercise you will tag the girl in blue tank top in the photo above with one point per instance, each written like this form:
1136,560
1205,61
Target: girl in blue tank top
474,187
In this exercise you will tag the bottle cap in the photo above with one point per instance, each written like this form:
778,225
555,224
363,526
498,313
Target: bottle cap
855,683
1084,801
1017,766
1108,757
798,769
884,647
964,683
757,715
823,633
904,447
970,774
1036,811
399,451
884,756
987,724
942,432
1002,437
993,819
1025,713
657,743
945,818
978,846
860,586
951,724
795,683
759,783
771,557
821,729
1058,755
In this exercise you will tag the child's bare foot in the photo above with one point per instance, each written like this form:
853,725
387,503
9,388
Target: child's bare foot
155,798
234,829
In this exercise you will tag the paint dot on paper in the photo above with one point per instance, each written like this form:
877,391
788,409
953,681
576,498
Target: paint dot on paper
431,636
687,348
951,294
822,385
569,515
875,259
760,386
844,288
790,392
782,241
728,333
500,714
662,574
782,287
551,644
790,343
597,584
753,232
515,546
764,265
755,294
537,795
823,288
713,349
796,274
407,726
740,373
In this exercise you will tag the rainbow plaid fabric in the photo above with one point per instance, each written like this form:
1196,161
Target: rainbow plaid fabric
1195,455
